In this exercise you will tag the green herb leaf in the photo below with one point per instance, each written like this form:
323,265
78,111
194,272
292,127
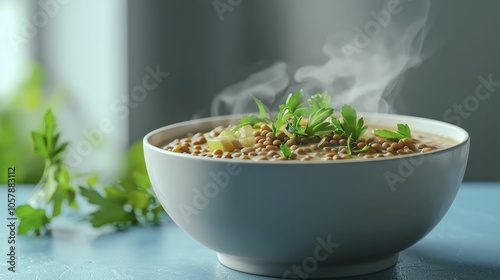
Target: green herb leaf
110,212
316,126
286,111
253,120
301,112
403,132
40,146
283,115
132,198
295,127
261,106
350,124
353,151
321,129
286,151
295,100
31,219
319,116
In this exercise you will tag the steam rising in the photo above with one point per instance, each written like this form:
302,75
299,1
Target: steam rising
364,66
265,85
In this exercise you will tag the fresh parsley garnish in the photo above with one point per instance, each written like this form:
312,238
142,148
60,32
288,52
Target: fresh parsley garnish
319,111
353,151
350,124
403,132
254,120
286,151
261,106
287,110
317,119
316,125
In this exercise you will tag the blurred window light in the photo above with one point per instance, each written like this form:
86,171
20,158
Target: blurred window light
14,51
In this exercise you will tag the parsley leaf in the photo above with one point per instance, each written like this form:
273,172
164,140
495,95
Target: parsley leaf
111,211
130,201
287,110
261,106
295,100
286,151
353,151
319,111
403,132
316,126
253,120
350,124
31,219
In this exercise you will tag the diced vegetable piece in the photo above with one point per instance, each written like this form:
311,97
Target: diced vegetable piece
214,144
227,133
247,141
246,131
227,143
366,134
236,144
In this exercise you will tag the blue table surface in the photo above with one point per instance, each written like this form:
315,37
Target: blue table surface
464,245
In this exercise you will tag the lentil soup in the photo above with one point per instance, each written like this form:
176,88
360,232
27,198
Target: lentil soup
261,144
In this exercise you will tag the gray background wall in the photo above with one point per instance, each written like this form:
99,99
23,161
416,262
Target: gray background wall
204,55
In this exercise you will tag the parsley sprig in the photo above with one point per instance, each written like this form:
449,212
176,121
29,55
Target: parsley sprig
291,115
54,188
128,202
291,109
403,132
318,112
286,151
349,124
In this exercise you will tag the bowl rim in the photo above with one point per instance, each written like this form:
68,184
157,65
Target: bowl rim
148,145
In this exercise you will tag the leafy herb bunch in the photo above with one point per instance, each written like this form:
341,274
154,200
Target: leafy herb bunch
128,202
316,119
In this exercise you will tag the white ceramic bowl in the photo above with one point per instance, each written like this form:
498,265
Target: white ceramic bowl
307,219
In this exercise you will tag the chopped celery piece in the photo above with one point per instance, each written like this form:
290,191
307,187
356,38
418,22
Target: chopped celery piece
227,143
247,141
246,131
214,144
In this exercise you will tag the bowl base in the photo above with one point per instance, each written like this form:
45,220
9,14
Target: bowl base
285,270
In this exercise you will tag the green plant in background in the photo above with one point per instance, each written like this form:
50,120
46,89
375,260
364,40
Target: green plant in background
54,188
128,202
18,112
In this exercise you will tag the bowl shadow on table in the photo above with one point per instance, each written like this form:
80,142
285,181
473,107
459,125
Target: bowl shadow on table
415,263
